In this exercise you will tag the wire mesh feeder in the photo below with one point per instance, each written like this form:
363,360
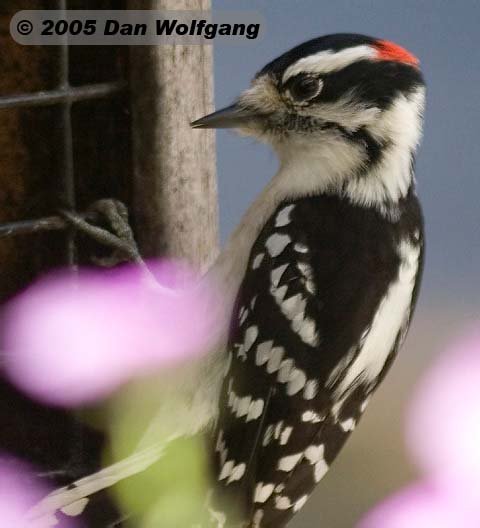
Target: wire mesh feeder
64,96
78,137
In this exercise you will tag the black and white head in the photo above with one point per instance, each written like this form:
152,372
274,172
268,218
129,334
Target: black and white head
342,111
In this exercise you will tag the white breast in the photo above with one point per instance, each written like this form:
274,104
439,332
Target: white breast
391,315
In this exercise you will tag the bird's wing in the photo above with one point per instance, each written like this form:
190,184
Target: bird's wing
282,418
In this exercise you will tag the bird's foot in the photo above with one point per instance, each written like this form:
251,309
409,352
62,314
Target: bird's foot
119,237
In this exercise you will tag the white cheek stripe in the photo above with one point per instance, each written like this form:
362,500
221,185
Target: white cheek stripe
329,61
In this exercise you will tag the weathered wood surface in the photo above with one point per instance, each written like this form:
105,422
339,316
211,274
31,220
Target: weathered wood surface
175,191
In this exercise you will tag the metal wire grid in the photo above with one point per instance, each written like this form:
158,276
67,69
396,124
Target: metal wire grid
65,96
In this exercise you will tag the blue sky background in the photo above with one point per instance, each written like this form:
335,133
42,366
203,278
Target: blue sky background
445,36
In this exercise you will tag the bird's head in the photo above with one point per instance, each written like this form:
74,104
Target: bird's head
351,90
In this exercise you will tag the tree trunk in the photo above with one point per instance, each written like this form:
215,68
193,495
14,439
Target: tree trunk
175,192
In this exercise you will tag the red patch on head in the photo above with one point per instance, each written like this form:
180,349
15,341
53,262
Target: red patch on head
393,52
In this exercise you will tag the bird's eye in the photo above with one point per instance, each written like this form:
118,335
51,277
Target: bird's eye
303,88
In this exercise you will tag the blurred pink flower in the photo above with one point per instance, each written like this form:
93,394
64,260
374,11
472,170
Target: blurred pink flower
19,491
443,423
71,341
420,505
443,434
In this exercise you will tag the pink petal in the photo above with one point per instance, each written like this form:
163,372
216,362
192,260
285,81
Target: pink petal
71,342
421,505
443,429
19,492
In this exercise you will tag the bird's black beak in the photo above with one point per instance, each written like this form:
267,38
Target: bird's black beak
232,116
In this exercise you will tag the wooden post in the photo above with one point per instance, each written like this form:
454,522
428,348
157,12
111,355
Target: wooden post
174,187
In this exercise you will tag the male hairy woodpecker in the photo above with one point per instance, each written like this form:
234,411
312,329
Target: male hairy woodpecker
321,275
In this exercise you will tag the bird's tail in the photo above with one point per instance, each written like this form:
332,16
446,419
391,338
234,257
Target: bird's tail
71,500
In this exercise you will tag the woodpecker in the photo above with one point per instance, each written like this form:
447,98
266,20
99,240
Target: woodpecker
321,276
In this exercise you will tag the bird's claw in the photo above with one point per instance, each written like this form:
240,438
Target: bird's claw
120,236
